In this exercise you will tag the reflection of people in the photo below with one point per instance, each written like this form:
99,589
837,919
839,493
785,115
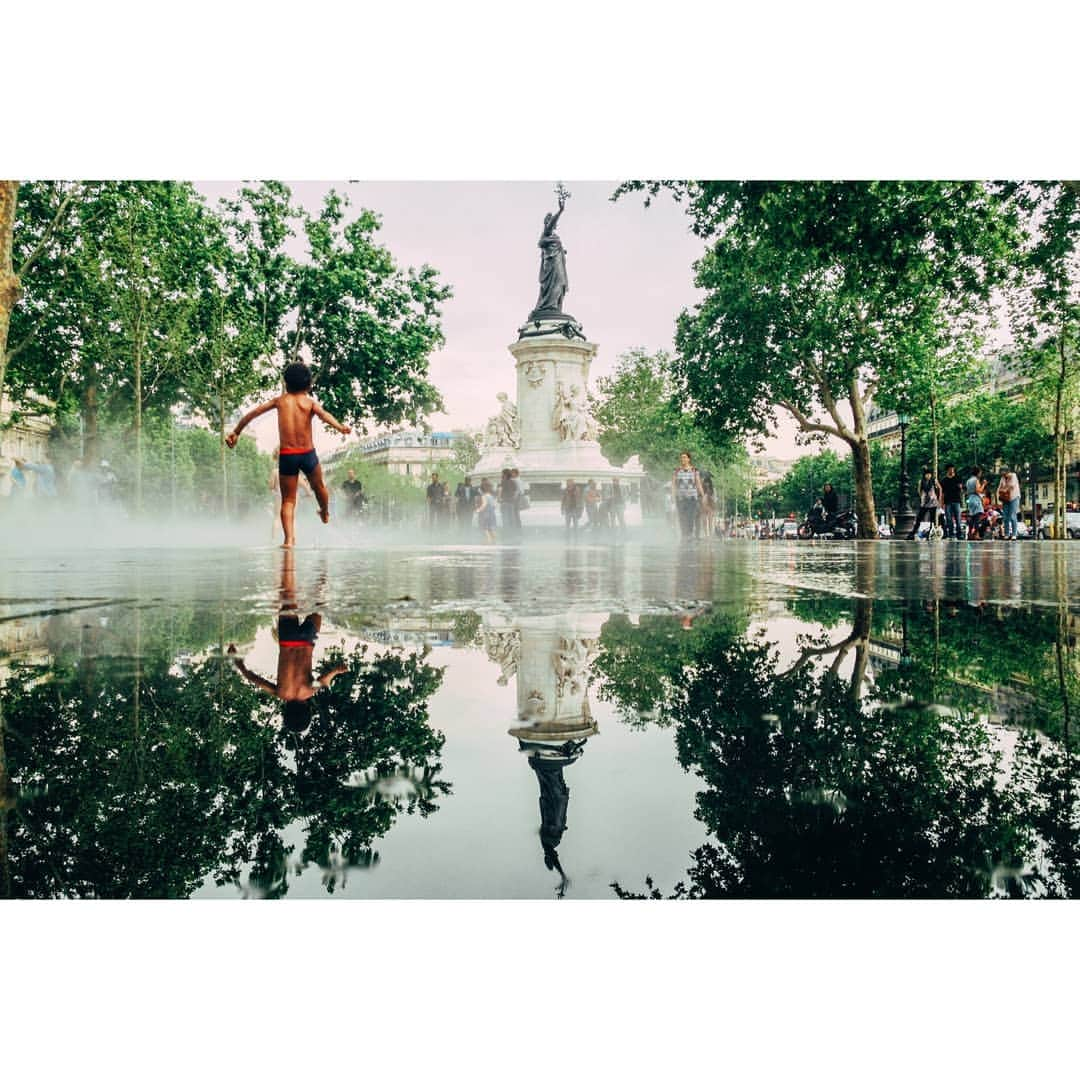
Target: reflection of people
295,686
296,409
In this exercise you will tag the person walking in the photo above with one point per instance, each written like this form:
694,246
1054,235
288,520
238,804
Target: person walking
571,505
687,491
1008,495
952,494
929,502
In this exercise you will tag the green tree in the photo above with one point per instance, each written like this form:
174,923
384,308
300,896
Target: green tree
1046,308
819,295
238,312
803,482
466,453
638,412
369,326
34,222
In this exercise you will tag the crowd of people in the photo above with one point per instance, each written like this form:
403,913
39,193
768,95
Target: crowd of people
969,510
82,485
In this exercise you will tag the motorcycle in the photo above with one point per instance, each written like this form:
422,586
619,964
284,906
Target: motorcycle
844,525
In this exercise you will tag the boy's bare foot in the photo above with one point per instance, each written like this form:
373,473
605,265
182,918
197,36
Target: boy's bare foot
324,515
289,544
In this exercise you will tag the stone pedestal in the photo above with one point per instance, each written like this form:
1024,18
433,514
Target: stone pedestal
556,433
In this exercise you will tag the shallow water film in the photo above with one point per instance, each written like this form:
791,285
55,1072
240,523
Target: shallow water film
741,719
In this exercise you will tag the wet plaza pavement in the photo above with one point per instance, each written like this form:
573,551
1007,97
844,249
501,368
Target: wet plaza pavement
736,719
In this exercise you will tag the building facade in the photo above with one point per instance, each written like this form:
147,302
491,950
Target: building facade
412,454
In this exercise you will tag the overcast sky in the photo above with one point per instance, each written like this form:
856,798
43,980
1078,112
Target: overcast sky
630,272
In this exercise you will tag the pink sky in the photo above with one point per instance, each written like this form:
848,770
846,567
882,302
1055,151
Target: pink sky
630,272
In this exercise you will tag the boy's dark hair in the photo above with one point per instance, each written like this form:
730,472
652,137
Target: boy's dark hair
297,378
296,716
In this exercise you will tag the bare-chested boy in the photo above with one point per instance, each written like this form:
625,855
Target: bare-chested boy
295,410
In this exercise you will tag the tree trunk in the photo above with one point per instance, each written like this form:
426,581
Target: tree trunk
864,489
860,460
138,430
934,437
9,283
91,440
1059,443
221,451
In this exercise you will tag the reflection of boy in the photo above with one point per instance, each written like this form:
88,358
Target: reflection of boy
295,684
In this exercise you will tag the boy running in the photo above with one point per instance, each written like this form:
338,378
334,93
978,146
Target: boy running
297,454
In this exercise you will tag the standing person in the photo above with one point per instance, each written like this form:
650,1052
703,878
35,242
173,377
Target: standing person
354,494
507,501
830,501
687,491
45,477
929,502
519,498
485,505
618,506
434,494
571,505
592,504
464,496
1008,494
444,507
296,410
975,489
952,494
708,504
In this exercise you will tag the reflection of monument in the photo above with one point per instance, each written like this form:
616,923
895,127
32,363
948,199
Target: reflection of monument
550,435
549,657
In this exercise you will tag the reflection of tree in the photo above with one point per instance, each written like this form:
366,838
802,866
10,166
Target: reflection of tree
203,784
819,784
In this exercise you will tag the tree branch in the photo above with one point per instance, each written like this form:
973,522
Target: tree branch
47,235
809,425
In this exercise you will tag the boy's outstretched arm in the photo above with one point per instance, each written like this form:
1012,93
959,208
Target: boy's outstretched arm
327,419
266,406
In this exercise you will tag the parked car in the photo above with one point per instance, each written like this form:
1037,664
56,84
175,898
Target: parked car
1072,524
789,530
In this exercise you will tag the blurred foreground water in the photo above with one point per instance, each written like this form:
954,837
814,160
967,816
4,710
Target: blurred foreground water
733,719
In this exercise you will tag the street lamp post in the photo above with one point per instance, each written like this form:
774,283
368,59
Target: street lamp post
905,516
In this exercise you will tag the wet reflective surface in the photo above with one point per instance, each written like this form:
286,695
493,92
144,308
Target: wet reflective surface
744,719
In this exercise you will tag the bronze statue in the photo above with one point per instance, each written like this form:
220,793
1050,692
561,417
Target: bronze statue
553,281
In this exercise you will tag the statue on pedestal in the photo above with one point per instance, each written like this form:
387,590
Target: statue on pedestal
570,417
503,429
553,280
